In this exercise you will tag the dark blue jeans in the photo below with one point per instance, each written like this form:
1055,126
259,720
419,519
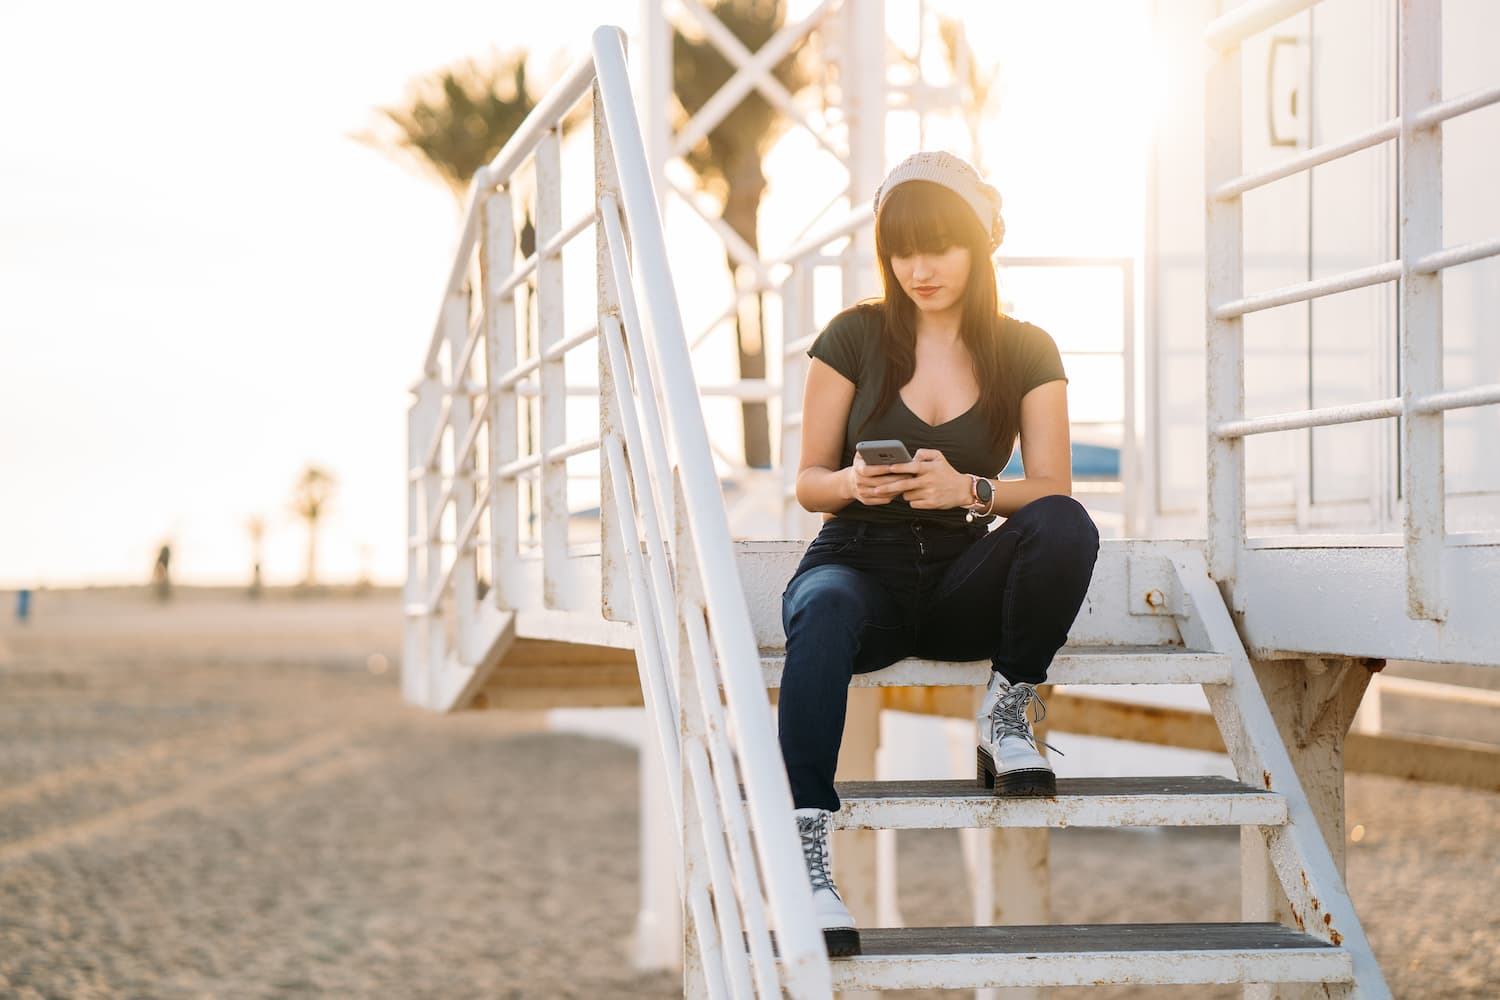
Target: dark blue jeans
867,595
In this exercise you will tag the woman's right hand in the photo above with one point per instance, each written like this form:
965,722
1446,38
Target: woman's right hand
874,485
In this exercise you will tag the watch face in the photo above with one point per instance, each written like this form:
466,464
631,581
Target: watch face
985,490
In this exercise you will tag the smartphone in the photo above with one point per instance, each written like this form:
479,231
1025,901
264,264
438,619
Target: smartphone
883,452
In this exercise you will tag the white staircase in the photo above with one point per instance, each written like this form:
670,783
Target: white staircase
1115,643
702,616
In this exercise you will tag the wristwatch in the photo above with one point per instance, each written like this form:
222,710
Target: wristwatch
984,491
984,496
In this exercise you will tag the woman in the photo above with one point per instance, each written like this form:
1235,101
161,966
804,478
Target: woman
904,564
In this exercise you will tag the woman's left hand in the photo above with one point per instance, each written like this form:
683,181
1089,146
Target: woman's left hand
935,485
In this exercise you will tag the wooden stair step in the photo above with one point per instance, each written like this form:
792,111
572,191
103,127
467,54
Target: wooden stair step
1071,665
1193,800
1088,954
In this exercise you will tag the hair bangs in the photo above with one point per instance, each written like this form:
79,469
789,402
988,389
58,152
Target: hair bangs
923,217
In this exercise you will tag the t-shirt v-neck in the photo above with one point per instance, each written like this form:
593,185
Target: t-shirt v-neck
850,344
907,406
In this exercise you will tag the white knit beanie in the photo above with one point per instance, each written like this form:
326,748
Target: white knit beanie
957,175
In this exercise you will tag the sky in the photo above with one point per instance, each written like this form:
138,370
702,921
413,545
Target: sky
206,284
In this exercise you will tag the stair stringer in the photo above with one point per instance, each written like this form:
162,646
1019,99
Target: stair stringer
462,673
1300,856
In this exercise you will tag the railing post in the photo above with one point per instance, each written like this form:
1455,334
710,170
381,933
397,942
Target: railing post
1421,327
497,261
705,964
1224,279
416,617
557,589
645,441
658,934
460,415
614,583
432,495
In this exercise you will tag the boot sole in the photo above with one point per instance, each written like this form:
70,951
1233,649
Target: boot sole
842,943
1032,783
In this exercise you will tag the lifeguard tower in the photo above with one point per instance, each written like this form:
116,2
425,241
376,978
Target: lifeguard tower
1302,489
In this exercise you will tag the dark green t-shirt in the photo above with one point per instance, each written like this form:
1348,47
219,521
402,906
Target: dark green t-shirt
850,345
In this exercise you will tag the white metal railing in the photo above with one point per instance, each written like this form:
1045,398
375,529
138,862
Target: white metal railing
666,562
757,275
1423,399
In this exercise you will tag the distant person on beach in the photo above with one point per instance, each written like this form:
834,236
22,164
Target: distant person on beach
161,575
256,526
912,404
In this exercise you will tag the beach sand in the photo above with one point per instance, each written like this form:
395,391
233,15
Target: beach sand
223,798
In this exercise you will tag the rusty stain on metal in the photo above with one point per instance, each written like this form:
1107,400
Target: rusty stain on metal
1155,599
1266,776
1317,907
1328,919
1297,917
1335,937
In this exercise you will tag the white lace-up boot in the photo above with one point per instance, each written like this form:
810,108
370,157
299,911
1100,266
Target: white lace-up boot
1009,760
839,934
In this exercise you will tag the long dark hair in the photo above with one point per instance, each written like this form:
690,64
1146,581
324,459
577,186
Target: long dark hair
920,216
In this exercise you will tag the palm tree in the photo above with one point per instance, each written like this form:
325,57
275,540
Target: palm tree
310,500
456,119
978,84
728,164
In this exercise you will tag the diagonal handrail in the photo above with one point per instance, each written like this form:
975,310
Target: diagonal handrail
667,565
705,559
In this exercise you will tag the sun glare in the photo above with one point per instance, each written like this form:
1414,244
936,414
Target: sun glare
324,257
1068,142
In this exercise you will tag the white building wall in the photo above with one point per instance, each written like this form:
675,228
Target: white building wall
1312,79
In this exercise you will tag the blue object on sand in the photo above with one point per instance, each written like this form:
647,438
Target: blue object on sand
1090,461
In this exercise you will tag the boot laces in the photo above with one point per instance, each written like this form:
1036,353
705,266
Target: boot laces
814,831
1008,717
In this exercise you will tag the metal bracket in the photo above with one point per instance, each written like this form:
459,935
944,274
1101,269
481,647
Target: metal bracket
1153,587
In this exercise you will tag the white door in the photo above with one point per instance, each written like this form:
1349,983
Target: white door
1316,78
1471,293
1275,126
1349,470
1353,472
1275,119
